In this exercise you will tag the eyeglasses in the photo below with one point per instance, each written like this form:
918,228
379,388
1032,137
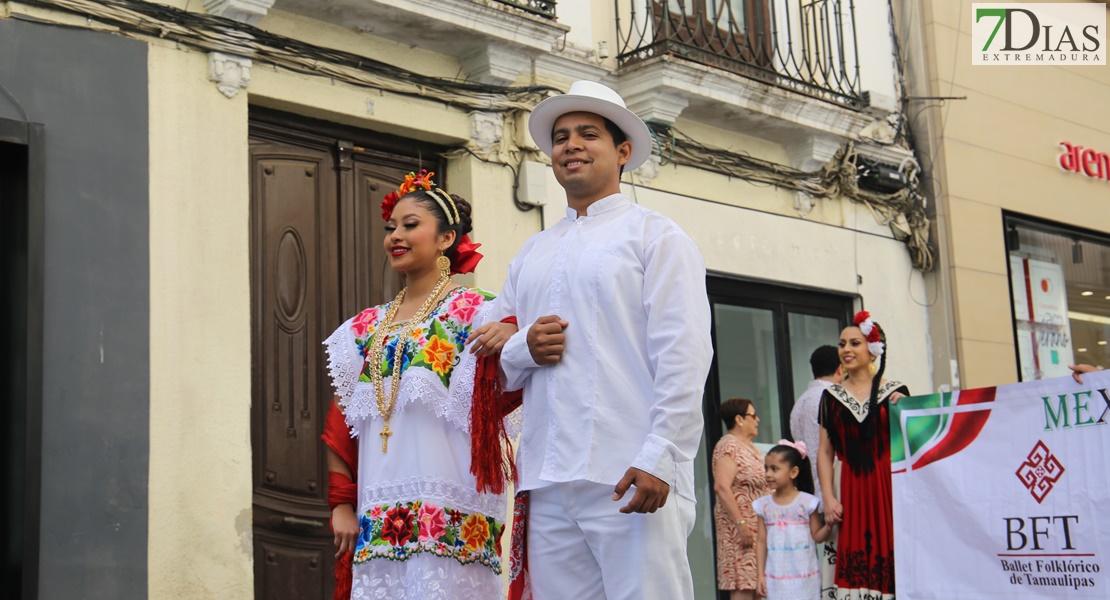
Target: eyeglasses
752,415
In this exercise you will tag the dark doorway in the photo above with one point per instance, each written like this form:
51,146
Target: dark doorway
316,259
21,242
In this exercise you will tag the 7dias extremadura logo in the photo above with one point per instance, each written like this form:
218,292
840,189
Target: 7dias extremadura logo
1038,34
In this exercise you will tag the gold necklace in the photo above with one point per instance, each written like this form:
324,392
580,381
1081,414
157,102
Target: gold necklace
377,347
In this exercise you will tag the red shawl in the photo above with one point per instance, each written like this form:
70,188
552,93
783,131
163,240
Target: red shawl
341,489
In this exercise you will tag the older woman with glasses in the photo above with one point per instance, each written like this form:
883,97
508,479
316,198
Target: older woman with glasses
738,480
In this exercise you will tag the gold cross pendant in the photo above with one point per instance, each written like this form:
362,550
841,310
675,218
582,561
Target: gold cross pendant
386,432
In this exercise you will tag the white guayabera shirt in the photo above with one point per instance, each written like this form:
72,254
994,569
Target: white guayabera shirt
628,389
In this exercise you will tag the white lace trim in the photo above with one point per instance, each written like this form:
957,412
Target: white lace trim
424,577
359,400
344,364
447,492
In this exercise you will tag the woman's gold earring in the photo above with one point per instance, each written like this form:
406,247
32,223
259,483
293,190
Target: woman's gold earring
873,367
444,265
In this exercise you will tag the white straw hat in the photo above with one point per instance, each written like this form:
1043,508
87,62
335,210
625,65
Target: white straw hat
591,97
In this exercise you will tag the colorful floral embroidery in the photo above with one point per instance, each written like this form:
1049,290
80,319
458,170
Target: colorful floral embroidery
439,353
361,325
433,522
464,306
397,526
404,529
475,530
436,345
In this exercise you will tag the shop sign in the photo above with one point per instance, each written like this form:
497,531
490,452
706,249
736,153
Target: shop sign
1088,161
1020,33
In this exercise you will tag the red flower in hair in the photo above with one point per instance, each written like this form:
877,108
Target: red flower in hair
466,256
388,203
867,326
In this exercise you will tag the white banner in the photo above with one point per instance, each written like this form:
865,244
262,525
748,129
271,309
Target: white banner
1003,492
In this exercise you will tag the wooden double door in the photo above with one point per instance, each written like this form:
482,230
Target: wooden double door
316,259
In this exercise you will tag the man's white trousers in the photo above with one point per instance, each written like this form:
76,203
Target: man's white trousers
581,547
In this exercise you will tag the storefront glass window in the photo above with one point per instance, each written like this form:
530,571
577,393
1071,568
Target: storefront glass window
1060,287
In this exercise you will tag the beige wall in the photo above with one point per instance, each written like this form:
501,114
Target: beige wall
998,151
200,391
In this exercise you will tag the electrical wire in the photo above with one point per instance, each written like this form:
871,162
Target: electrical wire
217,34
521,206
903,211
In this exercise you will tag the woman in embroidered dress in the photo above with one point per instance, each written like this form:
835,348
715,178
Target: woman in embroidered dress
421,529
855,426
737,480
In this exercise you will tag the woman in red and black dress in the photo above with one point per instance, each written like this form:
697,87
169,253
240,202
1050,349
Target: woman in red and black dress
855,426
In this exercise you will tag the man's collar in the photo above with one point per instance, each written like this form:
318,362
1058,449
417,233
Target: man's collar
605,204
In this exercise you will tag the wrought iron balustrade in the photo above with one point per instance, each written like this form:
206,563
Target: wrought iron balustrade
808,46
543,8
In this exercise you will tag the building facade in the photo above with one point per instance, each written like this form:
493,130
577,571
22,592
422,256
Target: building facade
206,205
1021,174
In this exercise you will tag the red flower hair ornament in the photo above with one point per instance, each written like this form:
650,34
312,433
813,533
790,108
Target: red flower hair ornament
466,256
871,332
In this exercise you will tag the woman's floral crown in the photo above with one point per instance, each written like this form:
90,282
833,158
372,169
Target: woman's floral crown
871,332
413,181
466,256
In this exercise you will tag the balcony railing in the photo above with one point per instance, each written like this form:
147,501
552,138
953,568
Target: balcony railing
542,8
808,46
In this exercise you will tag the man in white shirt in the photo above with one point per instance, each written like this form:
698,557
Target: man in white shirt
827,370
612,356
825,364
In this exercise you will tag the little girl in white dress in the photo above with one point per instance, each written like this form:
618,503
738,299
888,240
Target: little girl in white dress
789,524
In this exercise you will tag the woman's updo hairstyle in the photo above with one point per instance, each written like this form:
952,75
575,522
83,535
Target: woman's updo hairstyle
428,200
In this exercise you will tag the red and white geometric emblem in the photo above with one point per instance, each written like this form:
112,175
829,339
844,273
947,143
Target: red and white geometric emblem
1040,471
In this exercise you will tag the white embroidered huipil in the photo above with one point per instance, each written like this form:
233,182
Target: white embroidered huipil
627,391
424,530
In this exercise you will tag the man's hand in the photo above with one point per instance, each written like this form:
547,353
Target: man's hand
490,338
344,525
651,492
546,339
